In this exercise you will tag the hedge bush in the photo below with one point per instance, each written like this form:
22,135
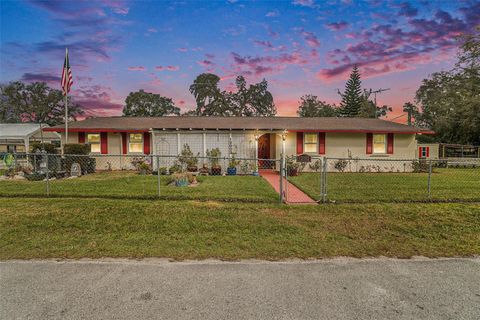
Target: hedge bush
76,148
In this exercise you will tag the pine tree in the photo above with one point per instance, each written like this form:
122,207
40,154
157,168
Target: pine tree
352,97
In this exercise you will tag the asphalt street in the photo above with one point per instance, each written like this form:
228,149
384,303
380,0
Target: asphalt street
341,288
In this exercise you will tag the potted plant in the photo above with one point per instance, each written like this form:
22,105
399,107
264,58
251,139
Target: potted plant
214,157
204,170
232,166
187,159
292,167
254,167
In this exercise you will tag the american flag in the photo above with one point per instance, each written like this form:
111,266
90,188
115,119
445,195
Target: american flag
67,79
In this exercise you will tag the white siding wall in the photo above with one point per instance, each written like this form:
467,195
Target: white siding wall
166,143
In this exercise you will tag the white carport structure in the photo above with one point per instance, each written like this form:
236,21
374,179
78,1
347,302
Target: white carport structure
17,137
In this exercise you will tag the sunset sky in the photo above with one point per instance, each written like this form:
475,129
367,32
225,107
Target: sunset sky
299,47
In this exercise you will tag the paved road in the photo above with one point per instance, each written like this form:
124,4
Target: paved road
157,289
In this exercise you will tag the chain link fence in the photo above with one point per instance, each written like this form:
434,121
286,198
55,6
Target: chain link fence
359,180
138,176
305,179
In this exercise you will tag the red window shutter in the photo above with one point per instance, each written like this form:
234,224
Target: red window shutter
369,143
428,152
81,137
321,142
390,143
104,142
146,143
419,152
299,142
124,143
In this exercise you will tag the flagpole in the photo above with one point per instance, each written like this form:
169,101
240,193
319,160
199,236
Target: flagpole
66,102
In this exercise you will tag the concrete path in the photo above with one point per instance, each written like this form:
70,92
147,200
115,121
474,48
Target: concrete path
292,193
156,289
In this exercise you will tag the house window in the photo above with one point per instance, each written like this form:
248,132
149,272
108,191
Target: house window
135,143
93,139
379,143
423,152
310,142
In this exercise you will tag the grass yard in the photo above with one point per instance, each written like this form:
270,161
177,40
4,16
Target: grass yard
132,185
446,184
78,227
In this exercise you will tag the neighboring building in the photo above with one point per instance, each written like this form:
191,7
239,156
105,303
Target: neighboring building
447,151
247,137
18,137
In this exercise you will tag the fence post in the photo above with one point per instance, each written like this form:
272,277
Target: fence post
324,194
286,182
158,175
281,180
47,175
321,178
429,178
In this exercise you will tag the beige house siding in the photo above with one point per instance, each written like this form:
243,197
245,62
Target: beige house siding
337,145
433,150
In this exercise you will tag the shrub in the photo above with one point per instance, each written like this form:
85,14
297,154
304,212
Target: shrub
214,156
48,147
142,165
340,165
175,168
36,176
186,157
245,167
76,148
420,166
316,166
182,178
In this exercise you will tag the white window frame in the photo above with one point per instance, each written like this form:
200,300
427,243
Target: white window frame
305,143
91,143
129,143
384,151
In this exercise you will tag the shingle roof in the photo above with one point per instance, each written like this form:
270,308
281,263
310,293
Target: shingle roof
239,123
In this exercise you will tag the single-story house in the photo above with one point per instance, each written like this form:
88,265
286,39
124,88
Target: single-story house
246,137
18,137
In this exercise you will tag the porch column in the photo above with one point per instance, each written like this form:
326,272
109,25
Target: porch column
179,147
256,150
204,144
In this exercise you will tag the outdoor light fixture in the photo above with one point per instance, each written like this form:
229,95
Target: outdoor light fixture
284,135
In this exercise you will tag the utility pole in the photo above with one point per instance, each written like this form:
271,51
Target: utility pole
375,94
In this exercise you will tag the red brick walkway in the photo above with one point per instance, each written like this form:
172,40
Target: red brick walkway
292,193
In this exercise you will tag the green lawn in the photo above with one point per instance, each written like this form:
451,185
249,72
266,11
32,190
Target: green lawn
132,185
446,184
80,227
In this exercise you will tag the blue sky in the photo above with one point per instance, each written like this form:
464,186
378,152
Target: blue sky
299,47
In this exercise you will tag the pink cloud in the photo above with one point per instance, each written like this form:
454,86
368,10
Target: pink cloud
260,65
337,26
168,68
138,68
310,38
273,13
304,3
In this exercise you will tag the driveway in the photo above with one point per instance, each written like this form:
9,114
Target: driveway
340,288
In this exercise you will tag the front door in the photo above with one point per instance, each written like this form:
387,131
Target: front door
264,152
